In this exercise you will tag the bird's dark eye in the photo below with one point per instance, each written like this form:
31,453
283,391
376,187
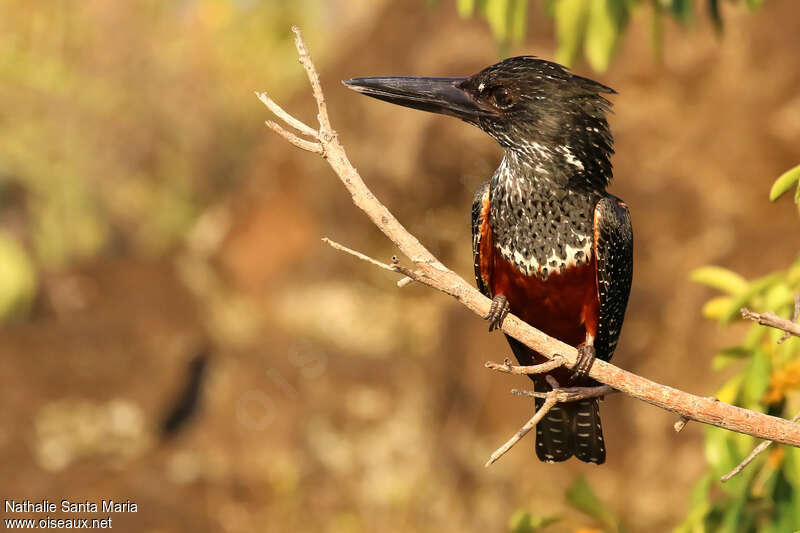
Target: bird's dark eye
501,96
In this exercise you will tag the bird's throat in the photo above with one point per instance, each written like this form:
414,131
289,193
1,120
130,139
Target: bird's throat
541,221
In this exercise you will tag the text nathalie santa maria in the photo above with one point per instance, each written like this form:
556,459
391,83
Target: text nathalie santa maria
67,506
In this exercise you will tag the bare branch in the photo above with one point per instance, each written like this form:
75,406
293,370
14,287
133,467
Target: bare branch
309,146
409,274
569,394
757,450
524,430
508,368
431,272
286,117
774,321
403,282
316,86
680,424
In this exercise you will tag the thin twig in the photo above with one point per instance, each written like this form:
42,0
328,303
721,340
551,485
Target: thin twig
569,394
403,282
409,274
286,117
680,424
431,272
309,146
313,78
524,430
361,256
757,450
772,320
507,368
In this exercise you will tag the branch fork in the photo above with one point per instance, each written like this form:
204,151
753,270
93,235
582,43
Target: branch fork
428,270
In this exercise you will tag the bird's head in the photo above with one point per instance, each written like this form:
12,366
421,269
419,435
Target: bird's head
528,105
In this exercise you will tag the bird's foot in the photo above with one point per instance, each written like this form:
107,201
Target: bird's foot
586,357
497,312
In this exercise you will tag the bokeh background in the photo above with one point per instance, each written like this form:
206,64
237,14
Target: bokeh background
174,332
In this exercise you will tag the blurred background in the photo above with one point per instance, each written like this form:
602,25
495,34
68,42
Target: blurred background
174,332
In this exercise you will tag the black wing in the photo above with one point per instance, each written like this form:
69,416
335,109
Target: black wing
478,203
613,248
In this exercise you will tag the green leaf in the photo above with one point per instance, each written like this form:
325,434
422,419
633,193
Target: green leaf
497,15
722,361
723,454
778,297
520,522
788,350
699,507
657,33
571,18
756,380
793,274
518,19
736,352
791,466
755,288
787,516
716,15
607,19
732,520
581,497
466,8
744,444
754,336
17,279
717,451
720,278
730,390
699,494
524,522
785,182
682,9
752,5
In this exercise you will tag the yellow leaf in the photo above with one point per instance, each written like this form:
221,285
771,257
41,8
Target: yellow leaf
717,307
497,15
571,17
720,278
606,21
784,183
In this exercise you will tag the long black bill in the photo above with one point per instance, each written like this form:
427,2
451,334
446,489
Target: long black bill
437,95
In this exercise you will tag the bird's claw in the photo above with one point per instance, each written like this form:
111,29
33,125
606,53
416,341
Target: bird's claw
586,357
497,312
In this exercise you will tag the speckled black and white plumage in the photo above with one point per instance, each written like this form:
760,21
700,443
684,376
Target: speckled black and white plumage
543,225
538,224
556,164
613,245
549,211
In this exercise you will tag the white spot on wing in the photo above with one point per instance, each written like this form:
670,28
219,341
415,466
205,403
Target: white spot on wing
570,157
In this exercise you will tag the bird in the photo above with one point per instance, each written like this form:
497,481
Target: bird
549,243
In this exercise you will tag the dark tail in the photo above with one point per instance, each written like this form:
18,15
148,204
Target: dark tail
570,429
